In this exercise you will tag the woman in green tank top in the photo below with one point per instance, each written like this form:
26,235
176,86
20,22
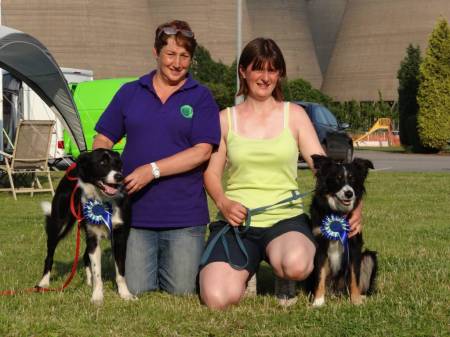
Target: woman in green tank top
260,142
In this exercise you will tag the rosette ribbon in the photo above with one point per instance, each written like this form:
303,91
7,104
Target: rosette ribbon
335,227
98,213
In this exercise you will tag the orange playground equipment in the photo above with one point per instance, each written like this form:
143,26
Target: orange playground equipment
384,124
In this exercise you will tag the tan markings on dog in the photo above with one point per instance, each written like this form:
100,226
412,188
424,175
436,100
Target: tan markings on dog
355,292
319,293
316,231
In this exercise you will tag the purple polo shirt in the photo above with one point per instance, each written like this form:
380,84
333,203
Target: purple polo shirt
154,131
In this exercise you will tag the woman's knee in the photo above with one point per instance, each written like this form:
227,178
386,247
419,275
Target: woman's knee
221,285
296,265
298,270
219,297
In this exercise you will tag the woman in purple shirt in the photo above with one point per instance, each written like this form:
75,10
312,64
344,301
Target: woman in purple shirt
172,126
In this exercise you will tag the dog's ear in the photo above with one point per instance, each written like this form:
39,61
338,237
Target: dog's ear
363,165
82,163
321,161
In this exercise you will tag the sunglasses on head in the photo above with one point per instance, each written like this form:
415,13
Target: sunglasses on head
174,31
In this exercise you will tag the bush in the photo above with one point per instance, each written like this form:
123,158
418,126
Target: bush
218,77
408,78
434,90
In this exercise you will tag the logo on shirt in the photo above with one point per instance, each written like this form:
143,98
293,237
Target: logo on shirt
186,111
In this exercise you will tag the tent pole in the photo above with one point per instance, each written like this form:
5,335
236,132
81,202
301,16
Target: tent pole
1,96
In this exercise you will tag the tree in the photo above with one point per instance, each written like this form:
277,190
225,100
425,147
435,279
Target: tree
408,78
218,77
301,90
434,91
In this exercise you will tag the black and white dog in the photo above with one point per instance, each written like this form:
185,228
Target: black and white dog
95,186
339,262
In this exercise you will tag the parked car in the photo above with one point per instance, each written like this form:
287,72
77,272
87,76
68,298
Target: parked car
335,141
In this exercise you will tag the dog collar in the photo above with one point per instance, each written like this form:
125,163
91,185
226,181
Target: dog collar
98,213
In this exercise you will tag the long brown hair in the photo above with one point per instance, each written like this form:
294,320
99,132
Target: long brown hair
259,53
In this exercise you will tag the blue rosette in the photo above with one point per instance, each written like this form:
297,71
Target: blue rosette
98,213
335,227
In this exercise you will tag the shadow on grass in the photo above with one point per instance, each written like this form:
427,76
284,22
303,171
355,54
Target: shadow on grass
266,281
61,270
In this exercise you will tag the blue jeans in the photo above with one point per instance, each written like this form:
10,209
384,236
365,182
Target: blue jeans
164,259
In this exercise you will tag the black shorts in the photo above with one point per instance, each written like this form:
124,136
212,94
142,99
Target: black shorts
255,241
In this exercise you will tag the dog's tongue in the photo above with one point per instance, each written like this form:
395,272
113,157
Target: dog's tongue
109,190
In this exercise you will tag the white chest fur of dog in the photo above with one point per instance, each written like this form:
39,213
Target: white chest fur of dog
93,273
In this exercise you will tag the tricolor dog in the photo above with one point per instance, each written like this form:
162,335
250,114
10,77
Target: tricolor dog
340,261
94,189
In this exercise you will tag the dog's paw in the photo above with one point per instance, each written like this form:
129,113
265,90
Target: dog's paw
318,302
251,289
287,302
97,298
357,300
124,293
45,281
128,297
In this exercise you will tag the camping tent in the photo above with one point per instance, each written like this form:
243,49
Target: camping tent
30,61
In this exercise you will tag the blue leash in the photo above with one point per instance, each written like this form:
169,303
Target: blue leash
237,233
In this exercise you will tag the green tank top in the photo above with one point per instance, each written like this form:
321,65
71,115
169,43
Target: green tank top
262,172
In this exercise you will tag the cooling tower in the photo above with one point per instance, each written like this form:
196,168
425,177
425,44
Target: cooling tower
356,44
287,23
372,42
325,18
112,37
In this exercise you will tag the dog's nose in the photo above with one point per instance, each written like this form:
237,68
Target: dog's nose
118,177
348,194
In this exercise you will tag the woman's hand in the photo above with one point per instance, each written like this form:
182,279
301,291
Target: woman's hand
355,221
137,179
233,212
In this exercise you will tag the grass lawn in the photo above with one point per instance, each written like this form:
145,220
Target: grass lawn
406,220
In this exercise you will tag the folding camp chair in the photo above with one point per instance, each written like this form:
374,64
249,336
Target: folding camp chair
30,156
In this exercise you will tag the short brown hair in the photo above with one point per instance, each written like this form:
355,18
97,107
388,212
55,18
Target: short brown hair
189,43
259,52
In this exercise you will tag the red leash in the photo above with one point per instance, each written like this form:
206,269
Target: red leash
79,218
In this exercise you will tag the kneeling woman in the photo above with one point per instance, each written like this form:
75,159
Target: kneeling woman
260,142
